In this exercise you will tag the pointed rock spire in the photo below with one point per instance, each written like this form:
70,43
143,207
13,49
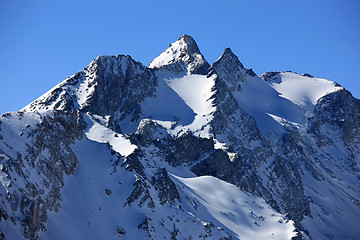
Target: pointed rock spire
229,68
230,56
182,56
228,59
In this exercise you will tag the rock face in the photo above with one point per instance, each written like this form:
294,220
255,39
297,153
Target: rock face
182,150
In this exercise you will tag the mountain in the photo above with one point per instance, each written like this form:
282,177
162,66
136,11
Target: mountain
182,150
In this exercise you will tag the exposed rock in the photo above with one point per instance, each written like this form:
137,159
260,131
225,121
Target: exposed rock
121,231
141,189
166,187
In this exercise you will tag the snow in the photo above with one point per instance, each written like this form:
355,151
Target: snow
117,141
182,99
83,92
196,90
167,105
262,102
183,51
10,230
169,55
87,212
302,89
220,145
287,99
334,212
5,182
283,121
15,129
248,217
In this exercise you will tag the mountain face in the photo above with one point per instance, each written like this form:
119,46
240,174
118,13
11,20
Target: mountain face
182,150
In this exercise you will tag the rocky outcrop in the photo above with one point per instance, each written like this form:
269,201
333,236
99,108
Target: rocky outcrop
48,158
165,186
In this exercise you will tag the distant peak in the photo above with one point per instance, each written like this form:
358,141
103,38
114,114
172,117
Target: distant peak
230,69
182,55
189,43
228,57
187,38
228,51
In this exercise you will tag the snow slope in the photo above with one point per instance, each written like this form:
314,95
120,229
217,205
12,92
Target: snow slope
285,99
247,216
265,104
182,99
196,91
95,205
102,134
166,105
88,212
301,89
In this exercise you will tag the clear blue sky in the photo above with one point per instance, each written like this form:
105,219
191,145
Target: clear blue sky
43,42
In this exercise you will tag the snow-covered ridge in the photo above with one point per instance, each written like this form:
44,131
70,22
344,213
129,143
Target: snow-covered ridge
75,91
302,89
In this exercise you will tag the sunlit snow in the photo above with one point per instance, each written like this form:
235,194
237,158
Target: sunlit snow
246,216
119,143
301,89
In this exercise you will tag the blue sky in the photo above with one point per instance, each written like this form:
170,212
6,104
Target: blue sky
43,42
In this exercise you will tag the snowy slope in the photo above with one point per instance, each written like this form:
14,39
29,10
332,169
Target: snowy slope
246,216
301,89
196,91
286,99
102,134
267,106
95,198
89,212
185,100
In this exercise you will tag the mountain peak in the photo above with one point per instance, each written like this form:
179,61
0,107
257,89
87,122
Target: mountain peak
228,50
182,55
229,56
189,43
229,68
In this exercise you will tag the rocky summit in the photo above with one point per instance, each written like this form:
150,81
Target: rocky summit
182,150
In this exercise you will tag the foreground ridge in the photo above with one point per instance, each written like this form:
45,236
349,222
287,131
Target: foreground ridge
182,150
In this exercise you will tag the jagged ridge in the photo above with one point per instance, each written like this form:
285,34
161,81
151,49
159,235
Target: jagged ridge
287,138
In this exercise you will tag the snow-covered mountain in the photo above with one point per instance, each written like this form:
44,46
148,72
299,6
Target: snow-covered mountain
182,150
